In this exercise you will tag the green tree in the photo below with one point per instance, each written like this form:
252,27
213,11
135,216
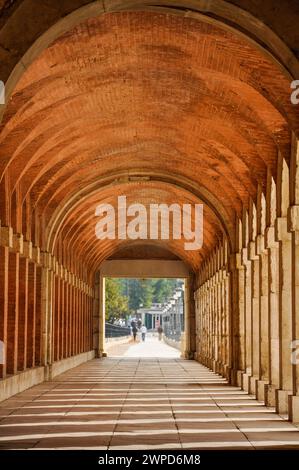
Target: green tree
116,304
163,289
140,292
146,291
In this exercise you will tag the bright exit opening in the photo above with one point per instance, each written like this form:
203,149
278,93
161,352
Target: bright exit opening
144,317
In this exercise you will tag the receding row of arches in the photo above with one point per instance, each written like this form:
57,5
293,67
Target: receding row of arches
164,104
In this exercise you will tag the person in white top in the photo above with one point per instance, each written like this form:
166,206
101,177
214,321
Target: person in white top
143,332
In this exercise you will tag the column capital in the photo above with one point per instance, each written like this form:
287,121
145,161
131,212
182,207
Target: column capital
270,238
45,259
236,261
61,272
260,244
244,256
293,218
36,254
252,255
18,243
281,229
56,267
27,249
6,237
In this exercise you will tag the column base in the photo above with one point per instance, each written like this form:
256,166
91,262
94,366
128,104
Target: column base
246,382
253,385
227,373
282,401
224,370
218,367
239,378
210,363
236,377
270,395
188,355
101,354
261,390
294,408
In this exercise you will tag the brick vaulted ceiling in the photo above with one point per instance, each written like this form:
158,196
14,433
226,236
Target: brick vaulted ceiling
159,107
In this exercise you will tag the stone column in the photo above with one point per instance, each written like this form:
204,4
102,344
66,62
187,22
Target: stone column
235,320
47,302
56,319
61,319
197,320
76,317
293,217
203,324
228,325
248,325
241,323
13,312
206,322
4,253
71,313
222,323
67,325
213,321
294,227
189,346
23,313
264,318
255,318
210,324
273,302
219,355
285,313
101,318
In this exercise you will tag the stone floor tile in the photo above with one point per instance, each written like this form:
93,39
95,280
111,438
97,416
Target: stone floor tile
138,402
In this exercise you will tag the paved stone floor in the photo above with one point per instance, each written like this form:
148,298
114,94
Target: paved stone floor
131,402
150,348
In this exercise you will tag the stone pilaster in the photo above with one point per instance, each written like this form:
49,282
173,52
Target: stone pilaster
285,314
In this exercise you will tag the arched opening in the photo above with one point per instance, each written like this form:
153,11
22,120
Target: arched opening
161,105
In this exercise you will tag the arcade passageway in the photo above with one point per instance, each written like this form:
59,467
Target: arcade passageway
164,102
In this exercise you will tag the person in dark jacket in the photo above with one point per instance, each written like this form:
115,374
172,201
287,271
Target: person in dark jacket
134,331
160,332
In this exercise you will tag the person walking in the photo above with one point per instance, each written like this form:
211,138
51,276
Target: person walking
143,332
134,331
160,332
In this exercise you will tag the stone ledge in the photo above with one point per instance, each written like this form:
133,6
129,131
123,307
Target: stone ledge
19,382
59,367
23,380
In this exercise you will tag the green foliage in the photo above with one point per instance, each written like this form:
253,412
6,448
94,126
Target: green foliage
116,304
163,289
125,296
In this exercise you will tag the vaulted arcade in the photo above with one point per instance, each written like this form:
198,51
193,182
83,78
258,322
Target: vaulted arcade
171,103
